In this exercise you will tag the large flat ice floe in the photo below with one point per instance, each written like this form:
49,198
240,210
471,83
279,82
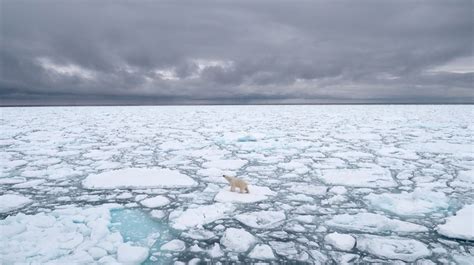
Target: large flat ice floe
393,247
359,177
416,203
10,202
256,194
460,225
373,223
138,178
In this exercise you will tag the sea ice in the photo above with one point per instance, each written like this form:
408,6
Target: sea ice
173,245
373,223
262,252
199,216
340,241
262,219
154,202
392,247
256,194
360,177
10,202
128,254
138,178
237,240
416,203
228,164
460,225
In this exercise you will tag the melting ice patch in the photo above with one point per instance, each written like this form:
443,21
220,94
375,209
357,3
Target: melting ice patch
138,178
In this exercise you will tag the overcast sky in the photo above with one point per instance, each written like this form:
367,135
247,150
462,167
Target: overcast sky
197,52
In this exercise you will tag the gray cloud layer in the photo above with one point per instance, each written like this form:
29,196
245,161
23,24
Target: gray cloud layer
131,52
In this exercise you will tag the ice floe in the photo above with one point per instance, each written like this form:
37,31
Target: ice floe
257,193
262,219
461,225
128,254
154,202
340,241
237,240
10,202
373,223
360,177
416,203
137,178
393,247
262,252
194,217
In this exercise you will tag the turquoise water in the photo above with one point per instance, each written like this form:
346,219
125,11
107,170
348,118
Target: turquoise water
138,227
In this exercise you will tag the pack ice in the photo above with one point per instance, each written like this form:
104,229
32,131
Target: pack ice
386,184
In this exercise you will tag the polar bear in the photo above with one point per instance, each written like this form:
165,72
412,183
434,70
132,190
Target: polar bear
236,182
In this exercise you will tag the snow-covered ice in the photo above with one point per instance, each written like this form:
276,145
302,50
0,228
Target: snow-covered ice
10,202
137,178
237,240
262,219
375,223
117,185
154,202
460,225
256,194
393,247
340,241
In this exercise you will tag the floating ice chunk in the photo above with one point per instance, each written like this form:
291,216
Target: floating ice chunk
175,245
460,225
417,203
216,251
338,190
199,216
340,241
263,252
229,164
308,189
361,177
97,253
199,234
237,240
373,223
284,248
154,202
10,202
137,178
397,153
393,247
256,194
262,219
157,214
128,254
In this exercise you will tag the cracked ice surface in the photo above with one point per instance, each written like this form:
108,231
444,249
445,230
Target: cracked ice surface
143,184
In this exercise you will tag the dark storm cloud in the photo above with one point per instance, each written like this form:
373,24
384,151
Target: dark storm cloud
129,52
